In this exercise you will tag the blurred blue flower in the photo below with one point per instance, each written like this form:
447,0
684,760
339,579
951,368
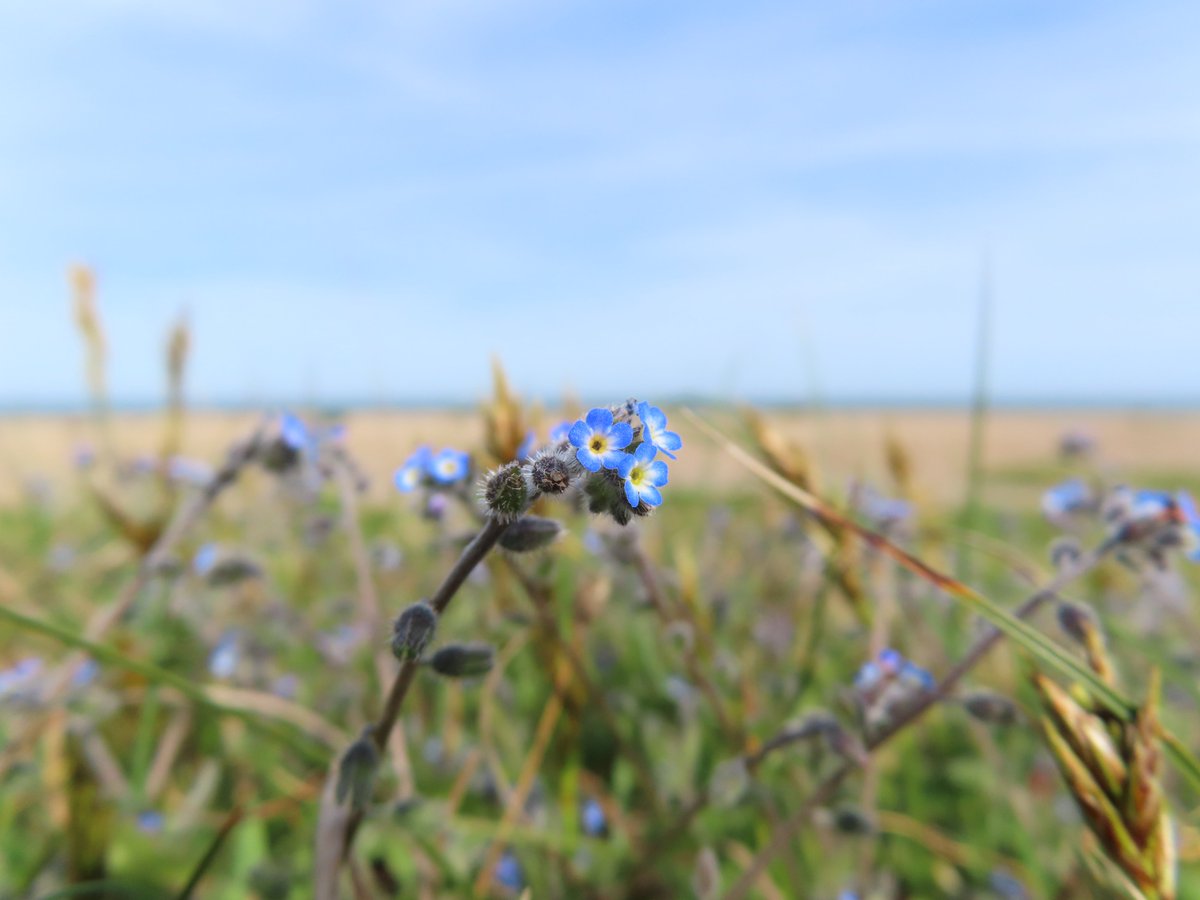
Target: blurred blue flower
449,466
19,676
881,510
868,676
560,432
1065,498
1007,886
294,432
643,476
1191,521
410,475
917,676
85,674
150,821
654,430
508,872
436,506
594,821
223,660
527,445
599,441
889,664
890,660
205,559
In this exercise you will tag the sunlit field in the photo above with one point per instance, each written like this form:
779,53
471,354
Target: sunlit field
781,681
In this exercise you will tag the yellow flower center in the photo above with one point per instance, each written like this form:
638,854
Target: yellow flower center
597,444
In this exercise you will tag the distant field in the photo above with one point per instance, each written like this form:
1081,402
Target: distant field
844,443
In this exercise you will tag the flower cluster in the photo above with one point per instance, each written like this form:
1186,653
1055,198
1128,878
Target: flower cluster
428,469
886,684
623,457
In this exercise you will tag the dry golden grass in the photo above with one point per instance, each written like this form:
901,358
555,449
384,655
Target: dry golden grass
844,444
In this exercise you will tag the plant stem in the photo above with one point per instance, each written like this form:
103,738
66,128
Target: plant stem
826,789
337,826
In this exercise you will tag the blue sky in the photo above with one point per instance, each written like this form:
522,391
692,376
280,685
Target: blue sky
367,200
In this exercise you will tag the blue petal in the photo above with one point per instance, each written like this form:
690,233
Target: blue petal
1188,507
651,495
579,434
626,464
293,431
631,493
652,417
656,473
613,459
589,460
407,478
668,440
621,435
599,419
644,453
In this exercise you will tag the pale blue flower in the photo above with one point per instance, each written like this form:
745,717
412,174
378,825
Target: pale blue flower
599,441
449,466
295,433
150,821
223,660
205,559
20,676
508,872
560,432
527,445
594,821
654,430
1066,498
1191,521
643,475
85,674
410,475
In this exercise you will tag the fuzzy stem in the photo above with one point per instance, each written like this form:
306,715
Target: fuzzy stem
339,826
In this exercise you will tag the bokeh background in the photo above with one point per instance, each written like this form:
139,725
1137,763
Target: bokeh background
933,261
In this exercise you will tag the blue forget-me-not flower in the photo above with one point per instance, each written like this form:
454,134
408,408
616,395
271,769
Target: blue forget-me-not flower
599,441
643,475
654,430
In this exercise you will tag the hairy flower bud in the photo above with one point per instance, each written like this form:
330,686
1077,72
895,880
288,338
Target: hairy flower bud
989,707
231,570
530,533
1065,552
278,455
505,492
1077,621
413,630
551,471
356,771
463,660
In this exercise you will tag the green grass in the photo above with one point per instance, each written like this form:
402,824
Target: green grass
745,591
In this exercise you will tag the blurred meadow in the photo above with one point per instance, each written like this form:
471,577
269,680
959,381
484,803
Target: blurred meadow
599,451
702,702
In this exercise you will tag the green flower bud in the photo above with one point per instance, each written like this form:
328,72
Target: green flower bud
991,708
505,492
463,660
413,630
233,569
530,533
356,771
